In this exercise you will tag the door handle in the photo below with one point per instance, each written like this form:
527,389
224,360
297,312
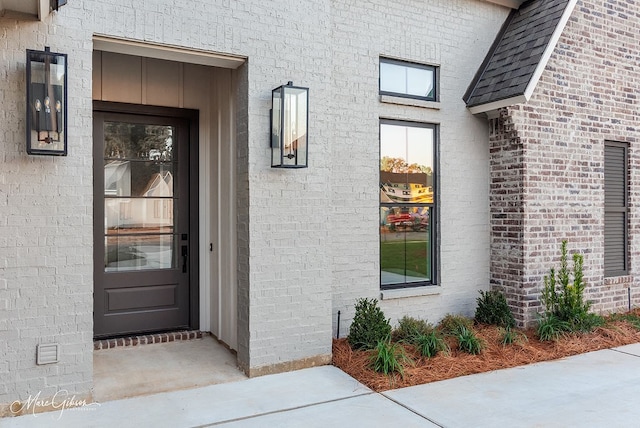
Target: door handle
185,253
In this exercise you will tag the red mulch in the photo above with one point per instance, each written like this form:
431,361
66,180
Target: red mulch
495,356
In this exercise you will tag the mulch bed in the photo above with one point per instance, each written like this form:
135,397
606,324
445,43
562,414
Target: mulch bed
495,355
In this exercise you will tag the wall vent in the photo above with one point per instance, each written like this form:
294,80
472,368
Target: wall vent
47,353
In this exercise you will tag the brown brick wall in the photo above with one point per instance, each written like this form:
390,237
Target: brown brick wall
506,159
587,94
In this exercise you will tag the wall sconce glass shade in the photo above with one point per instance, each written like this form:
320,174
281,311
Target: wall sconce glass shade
46,103
289,126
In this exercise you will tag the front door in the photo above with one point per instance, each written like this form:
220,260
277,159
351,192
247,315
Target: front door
144,258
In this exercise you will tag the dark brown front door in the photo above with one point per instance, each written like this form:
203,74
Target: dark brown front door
145,272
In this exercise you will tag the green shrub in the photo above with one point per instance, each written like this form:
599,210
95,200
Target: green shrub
468,341
389,357
634,320
630,317
452,324
369,325
431,343
588,323
508,336
551,327
409,329
493,309
565,307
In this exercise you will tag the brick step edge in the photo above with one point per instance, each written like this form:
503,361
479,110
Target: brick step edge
147,339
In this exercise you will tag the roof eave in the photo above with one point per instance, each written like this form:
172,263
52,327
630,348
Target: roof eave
535,77
495,105
513,4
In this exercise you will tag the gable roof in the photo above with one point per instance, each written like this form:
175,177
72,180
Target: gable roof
519,55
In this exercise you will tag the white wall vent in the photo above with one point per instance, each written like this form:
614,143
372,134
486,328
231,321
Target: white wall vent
47,353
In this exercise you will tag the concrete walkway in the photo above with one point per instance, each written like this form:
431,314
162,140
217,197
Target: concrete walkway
597,389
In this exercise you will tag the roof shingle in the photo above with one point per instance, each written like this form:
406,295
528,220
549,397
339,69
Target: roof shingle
516,53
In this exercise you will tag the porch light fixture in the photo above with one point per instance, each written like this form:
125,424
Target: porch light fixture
289,126
55,4
46,103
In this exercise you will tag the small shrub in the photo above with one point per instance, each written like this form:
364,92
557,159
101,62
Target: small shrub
452,324
634,320
588,323
431,343
468,341
551,327
369,325
564,299
493,309
409,329
510,336
389,357
630,317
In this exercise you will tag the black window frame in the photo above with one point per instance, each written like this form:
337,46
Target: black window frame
409,64
433,207
612,208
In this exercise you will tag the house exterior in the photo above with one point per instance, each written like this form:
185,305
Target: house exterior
563,159
166,214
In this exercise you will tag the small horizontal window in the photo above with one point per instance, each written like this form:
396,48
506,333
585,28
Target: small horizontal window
407,79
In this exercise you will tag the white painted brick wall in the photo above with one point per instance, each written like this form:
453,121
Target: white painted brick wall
46,273
456,36
298,262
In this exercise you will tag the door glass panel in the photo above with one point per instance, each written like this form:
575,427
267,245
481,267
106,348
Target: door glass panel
138,141
138,178
137,252
139,196
138,215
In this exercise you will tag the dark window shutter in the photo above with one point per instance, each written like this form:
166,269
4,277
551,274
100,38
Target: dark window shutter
615,209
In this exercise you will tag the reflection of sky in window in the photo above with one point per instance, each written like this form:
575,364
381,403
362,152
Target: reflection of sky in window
413,144
405,79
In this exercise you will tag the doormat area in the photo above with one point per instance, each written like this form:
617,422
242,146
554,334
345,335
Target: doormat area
146,339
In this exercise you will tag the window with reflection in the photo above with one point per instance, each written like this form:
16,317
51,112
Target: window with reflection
407,79
407,203
139,196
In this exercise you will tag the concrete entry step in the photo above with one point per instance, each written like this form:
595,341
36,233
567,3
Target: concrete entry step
129,371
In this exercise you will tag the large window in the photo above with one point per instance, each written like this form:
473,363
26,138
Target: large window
407,203
407,79
616,208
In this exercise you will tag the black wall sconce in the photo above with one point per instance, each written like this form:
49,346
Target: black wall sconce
46,103
55,4
289,126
